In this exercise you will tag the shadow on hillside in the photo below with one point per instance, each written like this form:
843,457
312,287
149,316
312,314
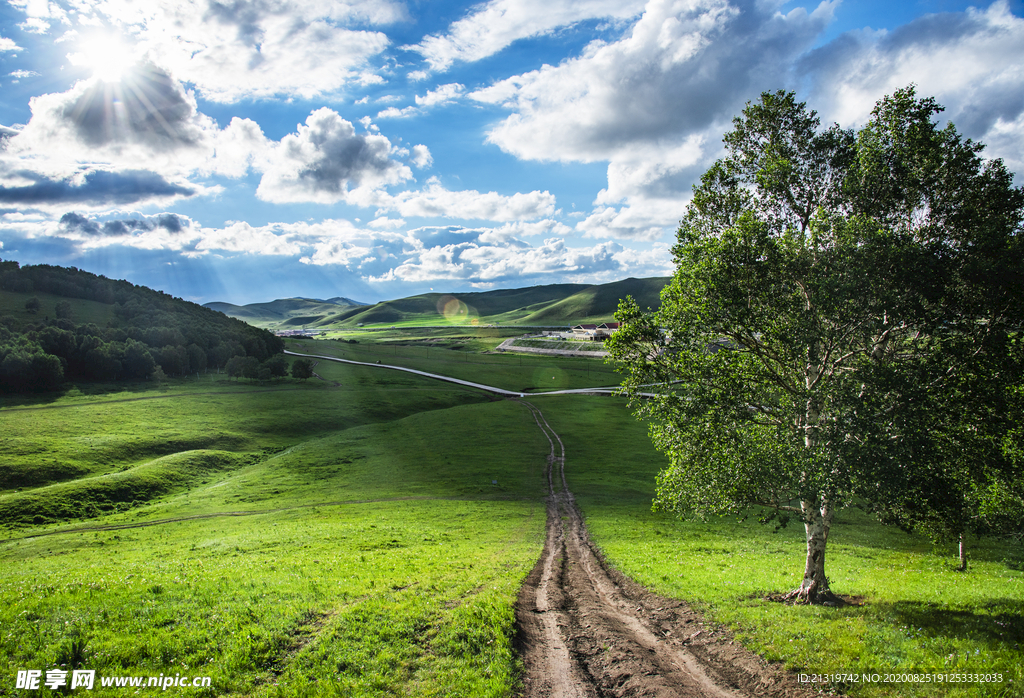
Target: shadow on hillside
1000,621
30,399
129,390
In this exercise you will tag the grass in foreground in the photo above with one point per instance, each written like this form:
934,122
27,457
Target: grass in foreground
917,612
411,598
379,556
414,597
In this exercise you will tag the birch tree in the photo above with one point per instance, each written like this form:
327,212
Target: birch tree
836,295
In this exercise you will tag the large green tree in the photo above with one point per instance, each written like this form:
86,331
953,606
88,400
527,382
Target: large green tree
842,304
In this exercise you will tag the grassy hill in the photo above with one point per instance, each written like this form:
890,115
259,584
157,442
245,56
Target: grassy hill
287,313
61,324
553,304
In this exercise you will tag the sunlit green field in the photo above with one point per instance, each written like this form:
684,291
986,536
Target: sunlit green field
365,534
915,612
387,527
518,372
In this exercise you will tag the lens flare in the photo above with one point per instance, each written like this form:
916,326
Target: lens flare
455,311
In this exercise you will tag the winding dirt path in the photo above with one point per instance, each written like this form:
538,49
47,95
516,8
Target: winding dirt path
586,631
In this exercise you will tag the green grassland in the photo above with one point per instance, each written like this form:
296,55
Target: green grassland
525,373
376,556
365,534
914,611
551,305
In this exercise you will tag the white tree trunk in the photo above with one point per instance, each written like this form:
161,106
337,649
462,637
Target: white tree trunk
814,587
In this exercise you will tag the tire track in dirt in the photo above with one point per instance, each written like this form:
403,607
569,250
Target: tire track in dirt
586,631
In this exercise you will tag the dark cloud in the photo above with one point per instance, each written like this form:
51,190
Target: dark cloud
325,159
79,223
98,187
342,155
147,106
75,222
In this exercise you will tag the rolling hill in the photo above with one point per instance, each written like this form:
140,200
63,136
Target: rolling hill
287,313
63,324
551,305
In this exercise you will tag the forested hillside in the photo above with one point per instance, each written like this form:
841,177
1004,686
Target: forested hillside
59,324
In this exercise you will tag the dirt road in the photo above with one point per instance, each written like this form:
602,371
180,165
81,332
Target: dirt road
585,631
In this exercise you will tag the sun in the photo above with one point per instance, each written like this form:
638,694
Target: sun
107,57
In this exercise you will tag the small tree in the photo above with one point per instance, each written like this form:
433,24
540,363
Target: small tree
277,365
302,369
250,368
63,311
234,366
840,303
32,305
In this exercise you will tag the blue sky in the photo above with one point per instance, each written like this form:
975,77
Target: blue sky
245,150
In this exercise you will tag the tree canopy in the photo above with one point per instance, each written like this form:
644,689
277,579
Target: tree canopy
843,326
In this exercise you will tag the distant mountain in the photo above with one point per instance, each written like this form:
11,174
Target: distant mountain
287,313
556,304
337,300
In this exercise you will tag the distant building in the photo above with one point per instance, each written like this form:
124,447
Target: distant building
595,332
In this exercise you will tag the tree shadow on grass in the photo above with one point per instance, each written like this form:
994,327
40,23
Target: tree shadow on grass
996,622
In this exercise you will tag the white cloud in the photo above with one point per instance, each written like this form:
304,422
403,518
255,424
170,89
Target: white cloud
83,147
396,113
442,95
421,157
87,147
235,50
645,219
517,229
971,62
385,223
492,26
242,237
237,148
479,262
653,104
435,200
8,45
685,66
39,15
18,74
479,256
326,160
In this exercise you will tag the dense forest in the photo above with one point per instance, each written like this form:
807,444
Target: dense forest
149,333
